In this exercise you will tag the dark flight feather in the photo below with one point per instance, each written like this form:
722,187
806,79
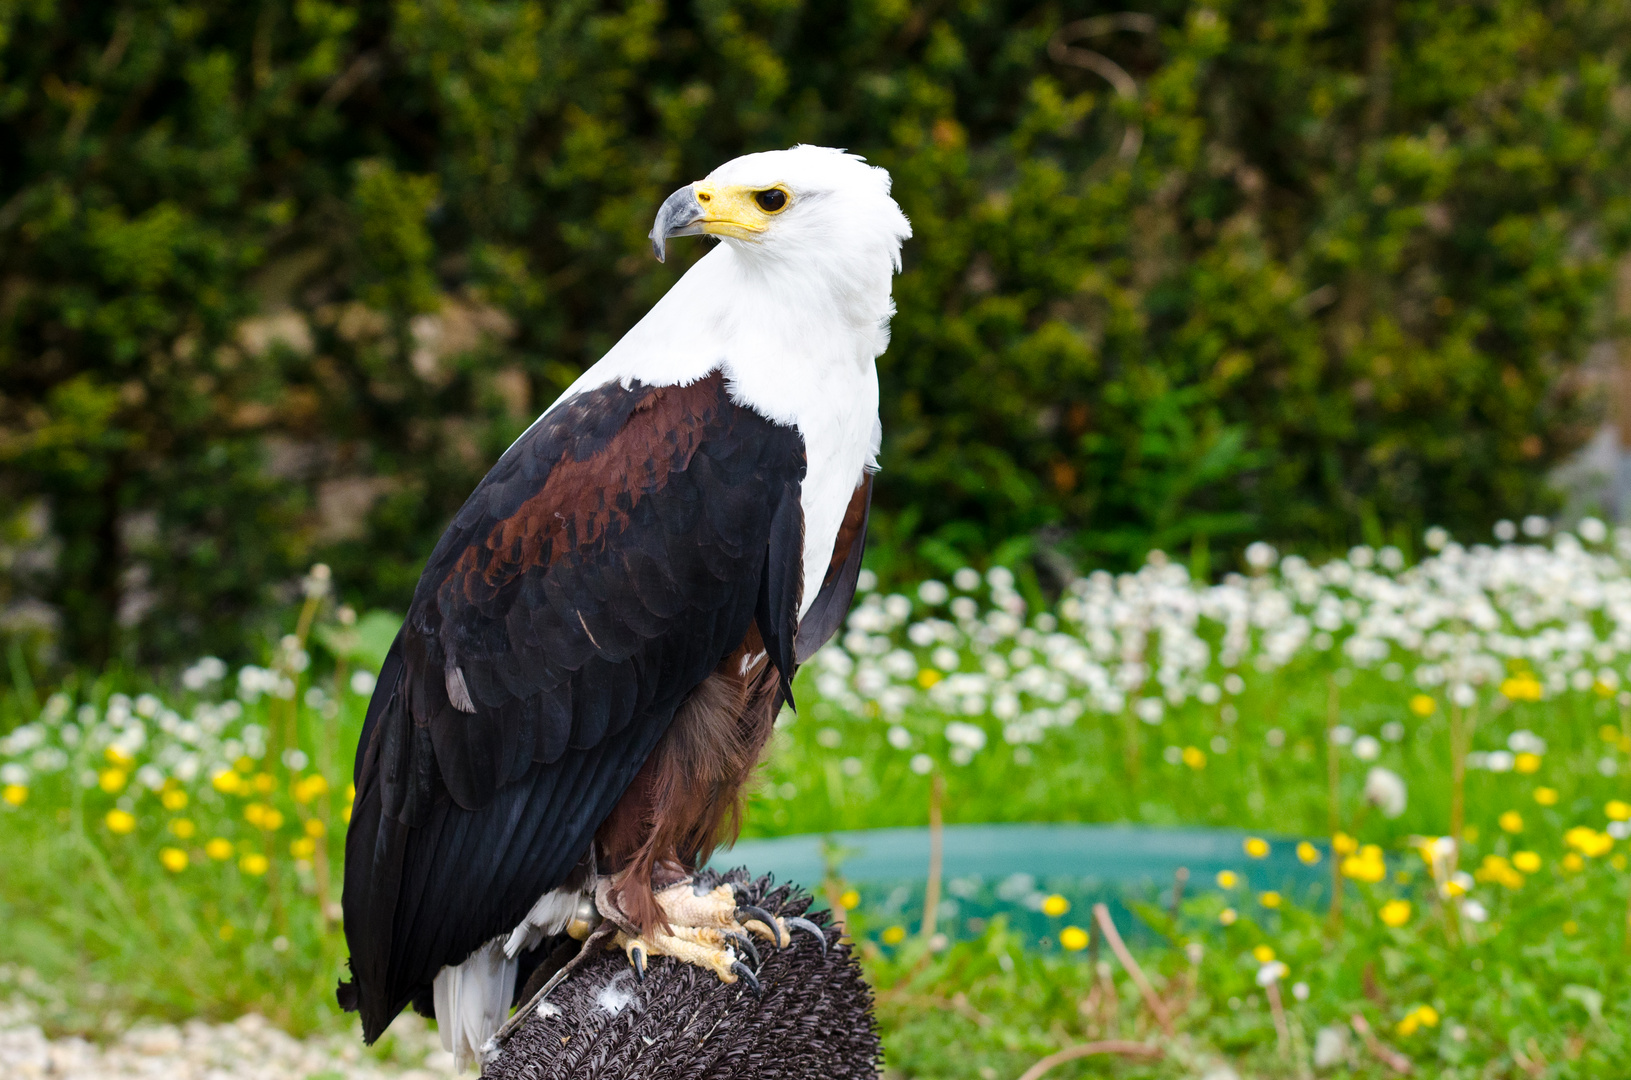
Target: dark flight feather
832,603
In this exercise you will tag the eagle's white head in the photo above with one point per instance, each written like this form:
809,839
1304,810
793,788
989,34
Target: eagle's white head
798,205
793,304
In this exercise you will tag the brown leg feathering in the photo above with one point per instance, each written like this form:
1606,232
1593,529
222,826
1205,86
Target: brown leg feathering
687,799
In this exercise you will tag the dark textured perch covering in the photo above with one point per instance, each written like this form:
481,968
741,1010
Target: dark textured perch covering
813,1020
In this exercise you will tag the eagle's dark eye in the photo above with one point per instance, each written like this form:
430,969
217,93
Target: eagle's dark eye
771,200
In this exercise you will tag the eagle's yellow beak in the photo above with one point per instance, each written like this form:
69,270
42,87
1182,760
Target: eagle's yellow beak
733,210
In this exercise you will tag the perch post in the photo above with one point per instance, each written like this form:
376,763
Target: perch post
812,1021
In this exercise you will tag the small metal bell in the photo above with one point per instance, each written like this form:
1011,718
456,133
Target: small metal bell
584,919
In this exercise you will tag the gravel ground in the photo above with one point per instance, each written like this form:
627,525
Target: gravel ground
250,1048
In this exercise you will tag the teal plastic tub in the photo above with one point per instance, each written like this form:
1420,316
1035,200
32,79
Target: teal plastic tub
1011,870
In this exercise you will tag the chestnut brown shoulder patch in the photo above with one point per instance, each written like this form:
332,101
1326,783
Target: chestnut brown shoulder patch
585,498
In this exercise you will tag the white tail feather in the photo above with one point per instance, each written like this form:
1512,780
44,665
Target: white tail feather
548,916
473,1000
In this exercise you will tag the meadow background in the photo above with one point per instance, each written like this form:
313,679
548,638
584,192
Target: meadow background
1191,287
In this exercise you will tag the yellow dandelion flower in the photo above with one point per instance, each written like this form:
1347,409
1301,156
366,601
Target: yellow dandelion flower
219,849
1588,841
265,783
182,828
310,787
1365,865
1609,733
928,677
1571,927
15,794
1343,844
1409,1025
1263,954
1546,796
120,822
1499,870
1073,938
244,764
1526,763
173,859
1055,906
1428,1015
850,900
254,864
315,827
1194,757
1395,913
116,755
112,781
1527,861
1423,705
227,782
303,847
894,935
1307,853
345,813
1573,863
1618,810
1227,879
272,820
351,793
1270,899
1511,822
173,799
1256,847
1522,687
255,813
1228,916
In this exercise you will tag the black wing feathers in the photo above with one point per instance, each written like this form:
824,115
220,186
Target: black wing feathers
779,588
606,565
832,603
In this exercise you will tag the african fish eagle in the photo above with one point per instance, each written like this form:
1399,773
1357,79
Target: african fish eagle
600,643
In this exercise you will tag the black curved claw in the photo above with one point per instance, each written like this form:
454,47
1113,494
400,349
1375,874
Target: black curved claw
745,943
753,912
795,923
742,972
637,957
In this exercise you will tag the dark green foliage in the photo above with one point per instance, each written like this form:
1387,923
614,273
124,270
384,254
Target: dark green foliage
278,281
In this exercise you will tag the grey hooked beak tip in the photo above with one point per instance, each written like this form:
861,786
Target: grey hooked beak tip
680,215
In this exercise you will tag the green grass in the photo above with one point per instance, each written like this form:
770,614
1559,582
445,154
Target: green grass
1548,967
1539,989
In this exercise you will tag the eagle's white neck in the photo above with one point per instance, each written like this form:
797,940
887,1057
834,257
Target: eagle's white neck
796,336
778,328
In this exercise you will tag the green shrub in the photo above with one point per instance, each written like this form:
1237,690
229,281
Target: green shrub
279,282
